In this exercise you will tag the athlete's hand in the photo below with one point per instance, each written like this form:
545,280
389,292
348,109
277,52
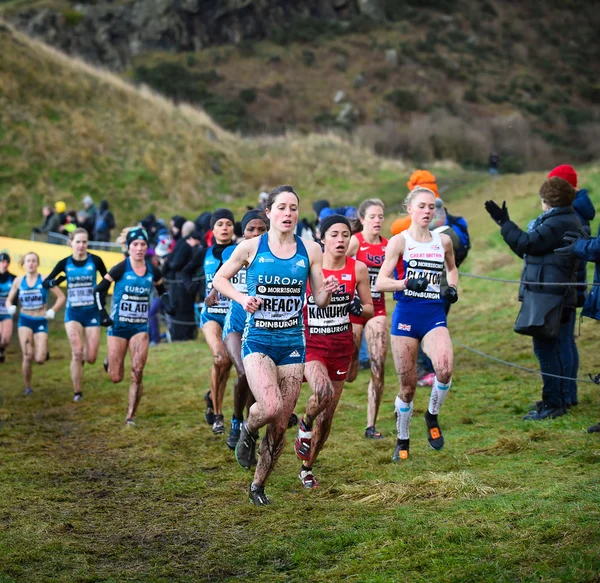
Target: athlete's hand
212,298
12,310
500,215
251,304
50,314
331,284
105,319
356,308
49,283
451,295
417,285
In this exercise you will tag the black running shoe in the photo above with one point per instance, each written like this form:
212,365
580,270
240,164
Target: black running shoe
401,451
434,433
257,496
372,433
234,433
293,420
105,364
47,356
594,428
2,356
210,410
245,449
218,427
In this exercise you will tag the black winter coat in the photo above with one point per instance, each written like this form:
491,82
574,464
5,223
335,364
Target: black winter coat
537,249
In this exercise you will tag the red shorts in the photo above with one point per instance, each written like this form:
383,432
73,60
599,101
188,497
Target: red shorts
337,366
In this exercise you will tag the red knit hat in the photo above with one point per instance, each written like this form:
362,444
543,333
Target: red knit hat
565,172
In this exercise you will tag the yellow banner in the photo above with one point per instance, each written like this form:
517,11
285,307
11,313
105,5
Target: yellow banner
49,254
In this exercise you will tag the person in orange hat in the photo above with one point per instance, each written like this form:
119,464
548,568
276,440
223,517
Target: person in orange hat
422,178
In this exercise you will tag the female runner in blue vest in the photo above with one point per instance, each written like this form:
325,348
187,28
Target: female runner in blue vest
278,264
6,320
82,318
128,320
214,310
34,316
412,269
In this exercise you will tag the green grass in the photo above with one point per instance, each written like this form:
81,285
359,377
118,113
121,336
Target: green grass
82,498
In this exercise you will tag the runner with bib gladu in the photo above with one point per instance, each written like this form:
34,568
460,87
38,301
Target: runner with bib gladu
6,320
329,341
34,316
369,248
82,318
128,320
418,256
278,264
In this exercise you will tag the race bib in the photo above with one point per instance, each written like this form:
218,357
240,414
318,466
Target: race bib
80,296
373,273
281,306
133,309
31,299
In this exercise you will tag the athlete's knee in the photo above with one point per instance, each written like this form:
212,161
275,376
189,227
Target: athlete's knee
77,354
272,411
137,373
40,359
91,359
443,370
115,376
220,359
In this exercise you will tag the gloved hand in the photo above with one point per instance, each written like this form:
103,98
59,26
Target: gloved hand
570,238
165,302
451,295
417,285
356,308
105,319
12,310
50,314
500,215
49,283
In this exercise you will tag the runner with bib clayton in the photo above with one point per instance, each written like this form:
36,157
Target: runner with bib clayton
6,320
128,320
34,315
82,318
418,256
369,247
329,342
278,264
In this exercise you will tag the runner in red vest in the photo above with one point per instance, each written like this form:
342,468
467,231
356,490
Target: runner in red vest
368,247
329,342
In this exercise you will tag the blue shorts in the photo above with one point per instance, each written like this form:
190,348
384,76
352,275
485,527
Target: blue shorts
416,320
235,320
5,317
87,317
280,355
127,333
206,317
36,323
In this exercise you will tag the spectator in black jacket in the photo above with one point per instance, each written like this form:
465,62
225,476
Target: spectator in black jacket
51,222
536,246
105,221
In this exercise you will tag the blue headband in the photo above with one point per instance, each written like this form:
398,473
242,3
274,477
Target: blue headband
136,233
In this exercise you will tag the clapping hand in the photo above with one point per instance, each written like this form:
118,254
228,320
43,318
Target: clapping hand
499,214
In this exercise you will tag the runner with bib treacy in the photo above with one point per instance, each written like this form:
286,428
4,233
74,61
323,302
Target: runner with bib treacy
412,269
6,320
212,317
82,317
34,314
273,348
369,247
329,342
254,224
128,320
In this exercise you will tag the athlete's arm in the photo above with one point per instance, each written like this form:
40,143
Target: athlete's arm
451,269
60,300
385,279
241,257
100,267
363,287
12,295
322,288
353,247
51,280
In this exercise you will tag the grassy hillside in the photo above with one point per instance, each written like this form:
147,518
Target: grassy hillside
84,499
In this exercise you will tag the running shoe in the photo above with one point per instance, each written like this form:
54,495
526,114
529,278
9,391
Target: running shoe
302,443
257,496
434,433
293,420
2,356
594,428
401,451
105,364
77,397
210,409
129,422
426,380
47,356
372,433
218,427
308,479
28,391
234,433
245,449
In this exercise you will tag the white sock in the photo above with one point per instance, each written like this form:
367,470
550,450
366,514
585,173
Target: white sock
439,392
404,413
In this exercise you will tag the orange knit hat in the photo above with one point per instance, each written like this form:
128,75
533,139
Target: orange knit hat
423,178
